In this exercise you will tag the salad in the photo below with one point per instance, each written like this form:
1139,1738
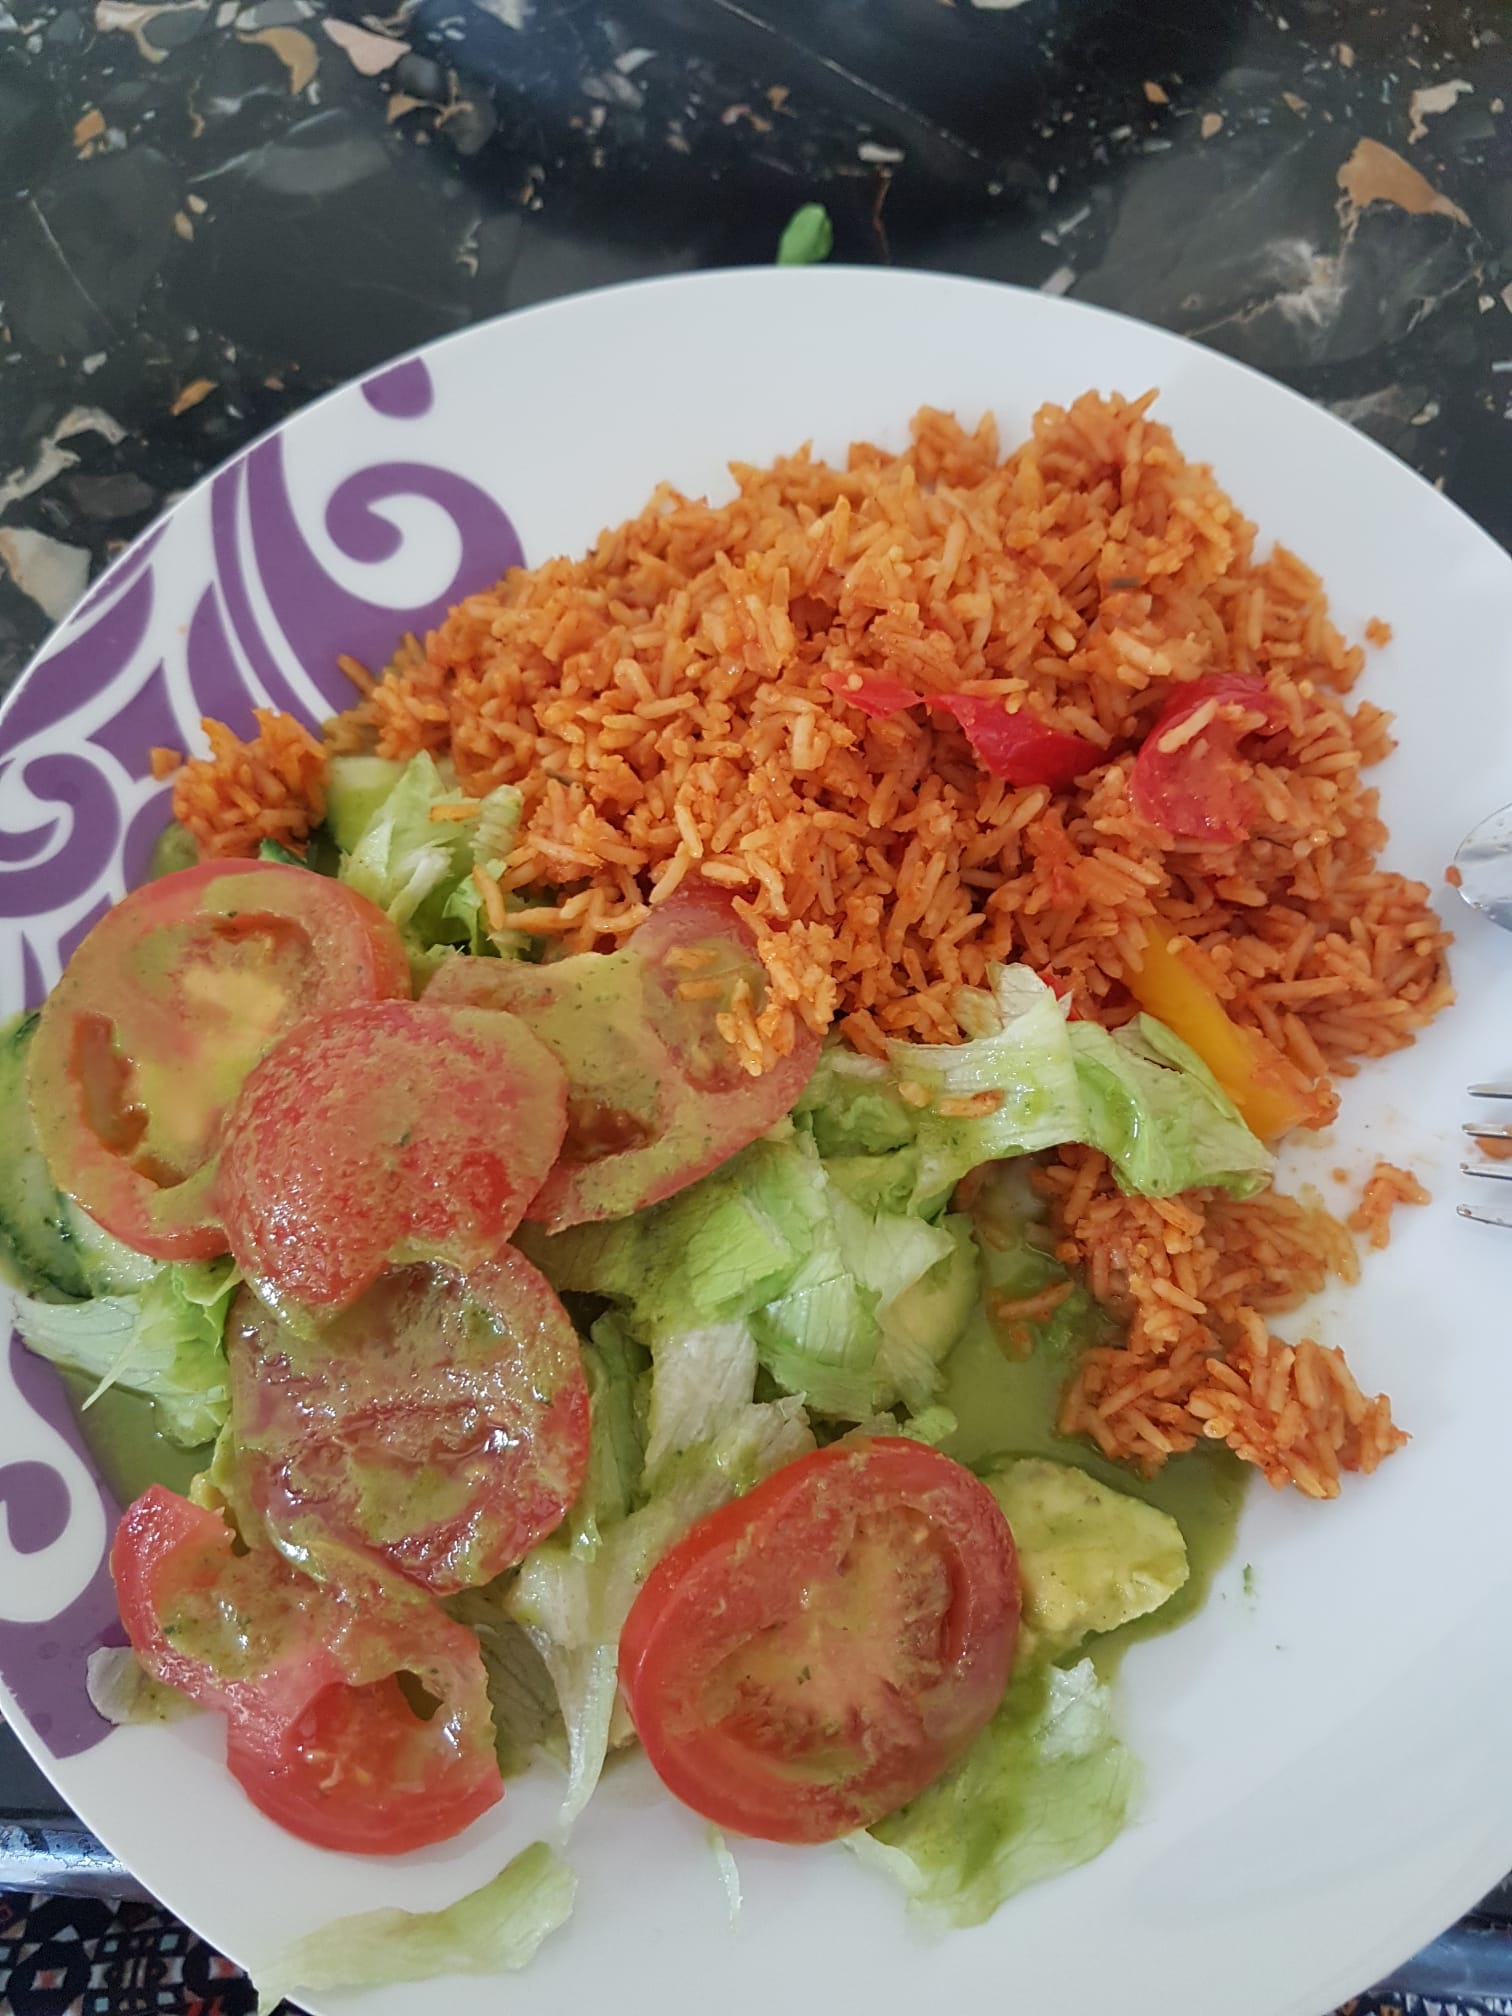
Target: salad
580,1315
564,1384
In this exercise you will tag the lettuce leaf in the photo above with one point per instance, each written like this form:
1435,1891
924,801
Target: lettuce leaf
1159,1114
1139,1094
527,1716
1018,1054
829,1294
702,1381
615,1368
918,1327
163,1341
852,1107
356,786
419,869
122,1691
717,1250
492,1930
818,1336
1046,1786
108,1265
402,857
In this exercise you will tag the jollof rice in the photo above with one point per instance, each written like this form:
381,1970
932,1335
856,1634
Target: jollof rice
661,704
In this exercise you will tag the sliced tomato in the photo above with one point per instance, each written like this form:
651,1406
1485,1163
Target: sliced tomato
813,1655
322,1733
1013,746
872,692
656,1096
1190,777
161,1013
390,1132
1016,747
365,1770
441,1420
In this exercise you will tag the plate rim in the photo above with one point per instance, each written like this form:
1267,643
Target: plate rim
827,276
821,274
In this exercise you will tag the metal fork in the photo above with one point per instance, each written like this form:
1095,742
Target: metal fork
1494,1172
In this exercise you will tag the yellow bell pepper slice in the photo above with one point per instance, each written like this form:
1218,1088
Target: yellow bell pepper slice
1176,984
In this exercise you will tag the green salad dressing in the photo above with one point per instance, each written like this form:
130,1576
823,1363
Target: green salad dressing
122,1434
1004,1407
1008,1407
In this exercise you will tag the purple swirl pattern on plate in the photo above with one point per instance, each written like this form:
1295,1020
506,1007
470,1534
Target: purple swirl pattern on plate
321,619
403,392
230,603
56,1517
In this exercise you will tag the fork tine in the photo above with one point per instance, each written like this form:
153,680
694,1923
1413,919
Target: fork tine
1488,1170
1483,1217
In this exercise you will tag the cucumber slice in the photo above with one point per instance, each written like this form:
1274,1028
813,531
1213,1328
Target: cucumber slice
173,849
108,1265
37,1250
355,787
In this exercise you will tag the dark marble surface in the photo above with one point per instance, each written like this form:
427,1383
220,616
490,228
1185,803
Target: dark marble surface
211,212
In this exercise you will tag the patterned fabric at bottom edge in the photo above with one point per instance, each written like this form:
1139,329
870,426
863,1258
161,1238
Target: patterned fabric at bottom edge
1421,2005
70,1956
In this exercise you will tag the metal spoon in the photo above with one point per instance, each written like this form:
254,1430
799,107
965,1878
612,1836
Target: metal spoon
1484,861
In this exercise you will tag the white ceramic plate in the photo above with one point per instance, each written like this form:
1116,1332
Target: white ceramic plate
1329,1771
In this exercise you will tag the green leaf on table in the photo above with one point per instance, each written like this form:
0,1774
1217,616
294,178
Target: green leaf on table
807,238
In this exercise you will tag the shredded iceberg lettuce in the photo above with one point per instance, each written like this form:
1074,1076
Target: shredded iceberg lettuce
1047,1785
417,864
492,1930
899,1135
121,1690
162,1341
1159,1114
852,1310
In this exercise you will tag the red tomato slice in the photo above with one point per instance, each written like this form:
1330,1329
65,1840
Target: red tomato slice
813,1655
1189,777
390,1132
873,693
163,1010
1016,747
441,1420
656,1096
321,1734
362,1771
